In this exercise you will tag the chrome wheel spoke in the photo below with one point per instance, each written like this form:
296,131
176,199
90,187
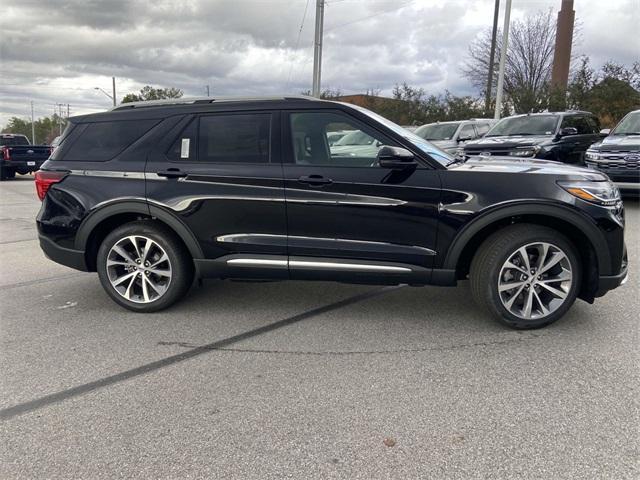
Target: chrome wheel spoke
513,266
160,272
510,286
509,303
128,274
543,251
525,258
543,307
123,253
556,291
554,260
528,303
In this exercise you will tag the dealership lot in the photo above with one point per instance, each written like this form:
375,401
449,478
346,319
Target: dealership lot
305,380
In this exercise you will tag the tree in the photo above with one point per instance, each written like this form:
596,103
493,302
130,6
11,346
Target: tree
609,93
150,93
528,64
46,128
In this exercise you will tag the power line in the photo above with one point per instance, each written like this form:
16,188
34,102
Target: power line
397,7
304,16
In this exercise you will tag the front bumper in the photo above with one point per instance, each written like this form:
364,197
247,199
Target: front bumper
64,256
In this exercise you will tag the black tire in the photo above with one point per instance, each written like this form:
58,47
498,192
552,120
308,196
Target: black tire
496,250
180,265
7,174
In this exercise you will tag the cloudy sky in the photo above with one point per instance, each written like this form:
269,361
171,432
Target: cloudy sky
58,51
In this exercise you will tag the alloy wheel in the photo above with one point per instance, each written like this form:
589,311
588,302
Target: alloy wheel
535,280
139,269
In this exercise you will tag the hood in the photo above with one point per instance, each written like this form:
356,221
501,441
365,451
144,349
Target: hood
528,166
618,142
509,141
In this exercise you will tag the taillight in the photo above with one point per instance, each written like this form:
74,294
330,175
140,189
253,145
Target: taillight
6,153
44,179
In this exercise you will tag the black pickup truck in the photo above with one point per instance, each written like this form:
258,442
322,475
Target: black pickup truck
17,155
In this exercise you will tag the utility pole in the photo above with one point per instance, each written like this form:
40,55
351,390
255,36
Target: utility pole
33,127
113,82
207,87
68,108
494,33
317,50
503,59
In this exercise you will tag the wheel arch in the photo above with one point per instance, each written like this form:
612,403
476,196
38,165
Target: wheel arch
100,222
591,246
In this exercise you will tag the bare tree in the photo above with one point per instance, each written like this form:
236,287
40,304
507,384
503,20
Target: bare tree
528,66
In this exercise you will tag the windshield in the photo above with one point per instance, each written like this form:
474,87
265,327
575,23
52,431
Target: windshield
437,131
430,149
629,125
13,140
355,138
525,125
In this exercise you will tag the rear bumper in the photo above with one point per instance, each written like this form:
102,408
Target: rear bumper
22,165
64,256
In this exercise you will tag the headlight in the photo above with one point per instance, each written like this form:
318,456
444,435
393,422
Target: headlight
525,151
592,155
601,193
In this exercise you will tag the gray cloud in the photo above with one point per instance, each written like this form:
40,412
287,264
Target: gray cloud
249,46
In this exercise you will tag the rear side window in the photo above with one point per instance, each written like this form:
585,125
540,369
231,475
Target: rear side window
234,138
102,141
11,140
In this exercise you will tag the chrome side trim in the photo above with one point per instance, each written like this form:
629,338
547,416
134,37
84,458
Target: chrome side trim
628,185
283,239
108,174
347,266
256,262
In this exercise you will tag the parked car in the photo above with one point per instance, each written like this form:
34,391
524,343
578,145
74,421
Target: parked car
559,136
17,155
356,144
618,155
450,136
154,195
333,137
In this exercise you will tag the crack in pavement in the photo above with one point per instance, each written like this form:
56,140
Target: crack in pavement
521,338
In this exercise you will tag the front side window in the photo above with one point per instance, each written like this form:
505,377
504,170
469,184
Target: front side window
102,141
482,128
313,133
578,122
467,132
234,138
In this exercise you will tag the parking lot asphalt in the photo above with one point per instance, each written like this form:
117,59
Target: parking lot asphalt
305,380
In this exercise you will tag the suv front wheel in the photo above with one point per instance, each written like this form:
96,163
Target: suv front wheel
528,276
144,267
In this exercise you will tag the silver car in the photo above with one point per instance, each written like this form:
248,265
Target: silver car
449,136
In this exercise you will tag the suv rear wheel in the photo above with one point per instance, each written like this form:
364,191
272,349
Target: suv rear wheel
144,267
528,276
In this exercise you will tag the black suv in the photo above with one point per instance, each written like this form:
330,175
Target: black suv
155,195
563,137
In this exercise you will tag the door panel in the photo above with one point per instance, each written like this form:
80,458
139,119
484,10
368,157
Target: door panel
225,203
361,214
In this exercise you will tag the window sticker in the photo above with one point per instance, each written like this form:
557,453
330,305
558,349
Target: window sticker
184,149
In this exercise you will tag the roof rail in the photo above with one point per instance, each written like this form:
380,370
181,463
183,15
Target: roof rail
203,100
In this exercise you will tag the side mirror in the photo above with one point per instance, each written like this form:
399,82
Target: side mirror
566,131
604,132
396,158
465,139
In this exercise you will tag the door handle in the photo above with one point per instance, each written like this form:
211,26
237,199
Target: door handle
172,173
316,180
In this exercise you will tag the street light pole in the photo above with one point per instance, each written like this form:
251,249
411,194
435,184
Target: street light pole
503,59
494,33
113,82
33,127
317,50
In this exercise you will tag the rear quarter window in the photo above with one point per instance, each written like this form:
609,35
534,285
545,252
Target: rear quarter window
101,141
